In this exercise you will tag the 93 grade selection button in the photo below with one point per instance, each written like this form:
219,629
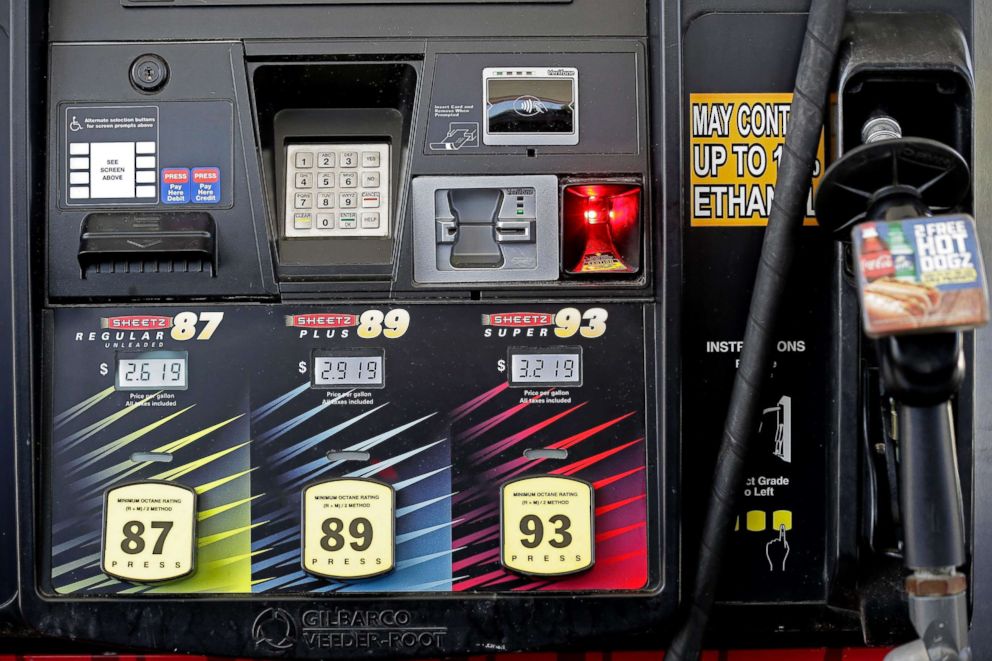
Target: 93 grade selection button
547,525
348,528
149,532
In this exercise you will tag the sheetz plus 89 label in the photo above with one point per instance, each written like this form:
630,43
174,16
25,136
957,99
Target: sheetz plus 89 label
546,525
348,528
149,532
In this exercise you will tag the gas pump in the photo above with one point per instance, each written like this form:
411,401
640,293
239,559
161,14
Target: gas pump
430,328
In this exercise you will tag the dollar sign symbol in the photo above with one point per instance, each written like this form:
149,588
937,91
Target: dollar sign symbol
501,365
104,369
303,367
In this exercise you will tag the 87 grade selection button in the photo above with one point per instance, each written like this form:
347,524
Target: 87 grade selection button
149,532
547,526
348,528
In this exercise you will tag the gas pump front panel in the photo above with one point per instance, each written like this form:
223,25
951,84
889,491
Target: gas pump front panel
349,349
407,328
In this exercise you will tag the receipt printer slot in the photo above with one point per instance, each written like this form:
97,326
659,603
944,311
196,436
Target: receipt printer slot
156,241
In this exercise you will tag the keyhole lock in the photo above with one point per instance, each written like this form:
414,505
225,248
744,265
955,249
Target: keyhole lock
149,73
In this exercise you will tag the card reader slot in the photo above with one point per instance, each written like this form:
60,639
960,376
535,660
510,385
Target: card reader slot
114,243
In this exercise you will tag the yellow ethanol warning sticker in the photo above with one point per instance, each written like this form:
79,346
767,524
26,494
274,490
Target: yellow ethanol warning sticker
348,528
149,532
547,525
735,146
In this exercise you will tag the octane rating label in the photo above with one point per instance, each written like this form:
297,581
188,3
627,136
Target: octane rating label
149,532
735,147
546,525
348,528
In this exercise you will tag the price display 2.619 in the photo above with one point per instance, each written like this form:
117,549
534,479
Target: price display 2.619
153,370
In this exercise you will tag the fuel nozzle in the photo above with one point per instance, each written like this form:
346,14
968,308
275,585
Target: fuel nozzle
893,185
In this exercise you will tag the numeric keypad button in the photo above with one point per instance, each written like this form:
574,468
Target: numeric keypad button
349,159
304,160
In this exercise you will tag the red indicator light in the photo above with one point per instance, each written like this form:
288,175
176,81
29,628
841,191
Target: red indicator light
601,233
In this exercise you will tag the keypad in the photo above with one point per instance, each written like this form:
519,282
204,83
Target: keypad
338,190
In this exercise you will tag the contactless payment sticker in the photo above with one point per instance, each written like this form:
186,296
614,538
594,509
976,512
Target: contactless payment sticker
149,532
920,274
546,525
348,528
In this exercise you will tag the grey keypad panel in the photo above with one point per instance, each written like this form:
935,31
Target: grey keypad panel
337,190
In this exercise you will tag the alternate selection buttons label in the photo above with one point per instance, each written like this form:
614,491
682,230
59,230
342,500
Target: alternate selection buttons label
111,154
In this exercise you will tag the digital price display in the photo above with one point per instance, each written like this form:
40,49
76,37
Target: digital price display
154,370
552,366
364,368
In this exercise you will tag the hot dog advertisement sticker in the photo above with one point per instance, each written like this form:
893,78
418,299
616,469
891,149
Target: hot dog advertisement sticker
149,532
547,525
348,530
920,275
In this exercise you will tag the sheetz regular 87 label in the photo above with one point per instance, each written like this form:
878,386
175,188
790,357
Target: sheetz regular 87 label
546,525
149,532
348,528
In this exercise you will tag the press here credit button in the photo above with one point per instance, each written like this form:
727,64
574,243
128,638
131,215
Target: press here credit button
206,185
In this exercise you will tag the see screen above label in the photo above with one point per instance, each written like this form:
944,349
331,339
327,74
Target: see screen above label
547,525
348,528
922,274
149,532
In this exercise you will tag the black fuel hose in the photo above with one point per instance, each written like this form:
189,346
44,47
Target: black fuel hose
816,65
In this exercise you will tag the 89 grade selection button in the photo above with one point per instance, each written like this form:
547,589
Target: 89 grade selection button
149,532
547,526
348,528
